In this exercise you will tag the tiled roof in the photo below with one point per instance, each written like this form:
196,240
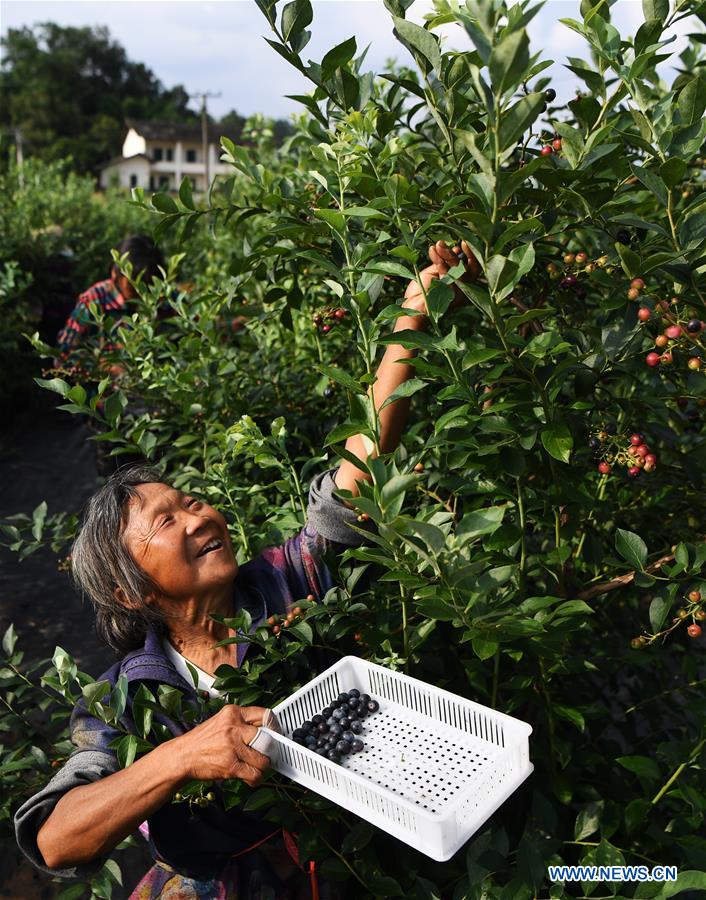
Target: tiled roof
178,131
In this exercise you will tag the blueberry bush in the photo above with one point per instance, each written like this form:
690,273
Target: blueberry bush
538,540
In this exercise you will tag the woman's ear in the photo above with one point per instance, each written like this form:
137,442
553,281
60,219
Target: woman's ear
129,603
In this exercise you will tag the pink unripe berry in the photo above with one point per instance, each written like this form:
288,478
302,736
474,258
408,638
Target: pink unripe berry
643,314
652,359
673,332
661,340
637,439
604,468
637,283
694,363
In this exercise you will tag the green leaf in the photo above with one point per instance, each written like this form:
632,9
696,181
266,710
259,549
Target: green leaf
483,648
303,631
358,837
655,9
517,119
406,389
337,57
571,715
480,522
652,182
643,766
659,608
631,548
690,880
9,639
165,204
557,441
334,219
341,377
58,385
185,193
295,17
588,820
691,102
629,260
673,171
509,60
419,39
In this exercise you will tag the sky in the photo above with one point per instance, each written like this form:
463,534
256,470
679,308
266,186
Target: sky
218,45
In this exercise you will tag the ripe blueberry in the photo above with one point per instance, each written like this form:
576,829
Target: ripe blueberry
373,706
357,726
357,745
550,94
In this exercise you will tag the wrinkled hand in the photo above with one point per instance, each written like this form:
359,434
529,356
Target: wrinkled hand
218,748
442,258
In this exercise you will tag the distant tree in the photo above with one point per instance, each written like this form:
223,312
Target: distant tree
69,90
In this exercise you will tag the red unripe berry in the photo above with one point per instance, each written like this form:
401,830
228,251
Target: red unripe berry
556,144
632,451
310,598
546,150
673,332
634,471
297,610
637,439
643,451
276,629
652,359
694,363
694,630
694,596
633,293
661,340
604,468
650,459
644,314
581,258
637,283
666,358
340,313
326,328
663,304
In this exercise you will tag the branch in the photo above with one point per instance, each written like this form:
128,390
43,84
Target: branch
622,580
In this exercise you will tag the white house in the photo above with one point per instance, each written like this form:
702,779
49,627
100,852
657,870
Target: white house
157,155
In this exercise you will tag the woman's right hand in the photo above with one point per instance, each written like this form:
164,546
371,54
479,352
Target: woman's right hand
218,748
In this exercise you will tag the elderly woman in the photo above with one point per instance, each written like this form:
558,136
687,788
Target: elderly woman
158,564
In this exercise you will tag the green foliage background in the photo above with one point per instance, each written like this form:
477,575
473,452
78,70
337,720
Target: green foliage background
509,571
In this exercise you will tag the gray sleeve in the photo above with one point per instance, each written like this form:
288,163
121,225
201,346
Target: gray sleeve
330,517
83,767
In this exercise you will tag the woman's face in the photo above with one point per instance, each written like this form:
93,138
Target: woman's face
180,542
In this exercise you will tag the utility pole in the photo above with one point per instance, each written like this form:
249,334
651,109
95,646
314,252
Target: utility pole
20,156
203,96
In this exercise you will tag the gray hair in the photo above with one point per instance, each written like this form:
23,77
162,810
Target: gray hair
101,562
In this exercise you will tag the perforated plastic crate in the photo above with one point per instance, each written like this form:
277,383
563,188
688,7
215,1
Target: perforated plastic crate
434,768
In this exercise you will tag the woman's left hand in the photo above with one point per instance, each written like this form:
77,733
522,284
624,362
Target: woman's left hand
443,258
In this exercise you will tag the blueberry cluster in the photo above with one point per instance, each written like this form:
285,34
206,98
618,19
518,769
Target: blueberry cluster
334,732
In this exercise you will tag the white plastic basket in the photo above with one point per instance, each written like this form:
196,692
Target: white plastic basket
434,768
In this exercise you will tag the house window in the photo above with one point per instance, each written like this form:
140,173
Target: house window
157,154
170,154
191,156
164,181
133,181
151,182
